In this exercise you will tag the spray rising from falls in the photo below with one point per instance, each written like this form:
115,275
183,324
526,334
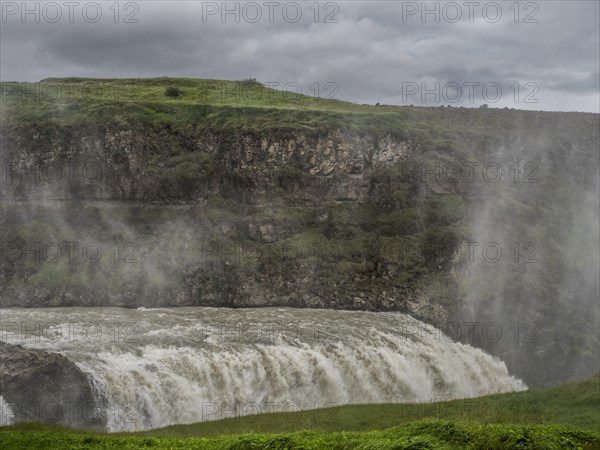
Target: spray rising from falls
155,367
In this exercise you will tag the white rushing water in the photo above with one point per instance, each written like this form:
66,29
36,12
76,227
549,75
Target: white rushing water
6,413
156,367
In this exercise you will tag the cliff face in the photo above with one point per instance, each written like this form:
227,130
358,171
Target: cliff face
266,220
116,164
383,209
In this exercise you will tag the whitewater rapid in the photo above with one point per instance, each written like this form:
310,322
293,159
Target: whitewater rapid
155,367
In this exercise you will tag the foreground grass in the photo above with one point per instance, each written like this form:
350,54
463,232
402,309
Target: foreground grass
575,405
425,434
567,416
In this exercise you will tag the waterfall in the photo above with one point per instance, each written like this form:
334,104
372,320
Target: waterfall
155,367
6,413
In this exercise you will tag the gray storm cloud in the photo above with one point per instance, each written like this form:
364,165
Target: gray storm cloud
371,50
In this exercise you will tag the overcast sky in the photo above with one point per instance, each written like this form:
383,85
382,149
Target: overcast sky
542,55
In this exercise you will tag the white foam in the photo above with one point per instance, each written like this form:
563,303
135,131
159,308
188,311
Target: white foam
6,414
195,364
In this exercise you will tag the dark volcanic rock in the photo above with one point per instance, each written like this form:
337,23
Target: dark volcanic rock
46,387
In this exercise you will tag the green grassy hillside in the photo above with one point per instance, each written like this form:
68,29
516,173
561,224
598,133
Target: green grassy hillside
245,106
232,105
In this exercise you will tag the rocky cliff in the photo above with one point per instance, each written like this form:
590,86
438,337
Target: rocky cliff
454,215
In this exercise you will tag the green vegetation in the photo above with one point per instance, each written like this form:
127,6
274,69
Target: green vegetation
199,105
172,91
566,417
180,103
196,105
426,434
573,405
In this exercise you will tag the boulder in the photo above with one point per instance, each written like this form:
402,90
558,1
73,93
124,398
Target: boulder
47,387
